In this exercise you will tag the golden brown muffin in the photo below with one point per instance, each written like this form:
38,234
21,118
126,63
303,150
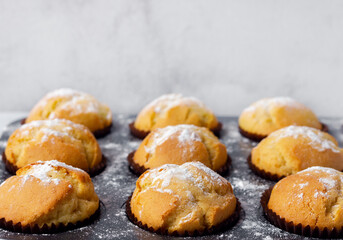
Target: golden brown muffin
174,109
50,193
179,144
181,199
294,148
311,197
270,114
59,139
75,106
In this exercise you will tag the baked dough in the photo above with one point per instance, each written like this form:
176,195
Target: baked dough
294,148
48,193
72,105
59,139
174,109
311,197
179,144
190,197
270,114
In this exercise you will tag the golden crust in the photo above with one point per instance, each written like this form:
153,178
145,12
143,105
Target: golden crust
179,144
72,105
182,198
59,139
174,109
311,197
294,148
48,193
270,114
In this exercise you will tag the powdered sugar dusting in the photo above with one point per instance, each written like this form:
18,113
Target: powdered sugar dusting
165,102
50,132
185,134
40,171
59,128
329,180
61,164
52,123
115,184
316,137
79,101
328,183
267,103
163,175
62,92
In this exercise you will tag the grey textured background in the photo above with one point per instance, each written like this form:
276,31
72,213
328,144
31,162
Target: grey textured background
126,53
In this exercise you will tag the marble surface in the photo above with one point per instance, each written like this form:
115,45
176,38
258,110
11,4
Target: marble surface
227,53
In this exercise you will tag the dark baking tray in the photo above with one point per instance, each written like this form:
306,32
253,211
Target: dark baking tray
115,184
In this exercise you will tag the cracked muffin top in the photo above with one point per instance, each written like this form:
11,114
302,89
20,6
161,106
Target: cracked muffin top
311,197
189,197
179,144
46,193
76,106
295,148
173,109
58,139
270,114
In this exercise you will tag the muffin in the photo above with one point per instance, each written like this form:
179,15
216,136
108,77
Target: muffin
59,139
188,199
47,196
309,202
270,114
294,148
174,109
177,145
75,106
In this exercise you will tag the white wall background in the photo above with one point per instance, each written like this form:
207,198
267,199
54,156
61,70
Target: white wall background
127,52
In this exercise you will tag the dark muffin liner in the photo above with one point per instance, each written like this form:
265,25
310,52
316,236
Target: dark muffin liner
142,134
299,229
221,227
103,132
138,169
97,134
8,225
251,136
258,137
261,173
11,168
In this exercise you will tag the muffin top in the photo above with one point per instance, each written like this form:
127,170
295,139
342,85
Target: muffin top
173,109
179,144
48,192
270,114
182,198
57,139
294,148
311,197
73,105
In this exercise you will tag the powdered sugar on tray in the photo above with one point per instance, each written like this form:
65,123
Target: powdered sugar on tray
316,138
185,134
116,183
